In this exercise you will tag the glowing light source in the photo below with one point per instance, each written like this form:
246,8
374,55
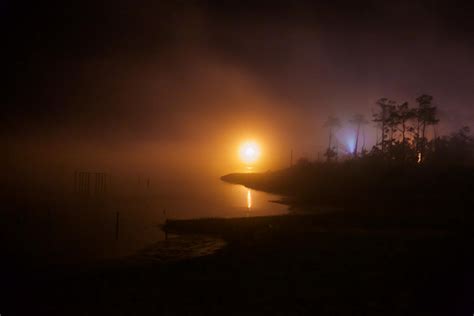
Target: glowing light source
249,152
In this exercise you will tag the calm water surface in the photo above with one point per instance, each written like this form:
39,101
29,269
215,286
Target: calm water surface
86,230
214,199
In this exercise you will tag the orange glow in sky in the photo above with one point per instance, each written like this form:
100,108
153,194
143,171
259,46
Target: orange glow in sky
249,152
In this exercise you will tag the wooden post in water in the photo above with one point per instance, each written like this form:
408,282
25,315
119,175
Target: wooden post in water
291,158
88,183
117,226
166,222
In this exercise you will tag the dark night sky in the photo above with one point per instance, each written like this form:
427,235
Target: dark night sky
112,72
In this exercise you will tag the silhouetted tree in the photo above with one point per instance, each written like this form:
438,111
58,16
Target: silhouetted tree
404,115
331,123
426,115
358,120
392,123
384,120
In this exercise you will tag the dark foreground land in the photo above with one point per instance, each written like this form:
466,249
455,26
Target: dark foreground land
327,264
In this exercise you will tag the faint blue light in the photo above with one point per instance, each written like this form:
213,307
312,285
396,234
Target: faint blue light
347,139
350,143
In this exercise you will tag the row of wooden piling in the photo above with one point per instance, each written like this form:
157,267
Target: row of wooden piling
83,181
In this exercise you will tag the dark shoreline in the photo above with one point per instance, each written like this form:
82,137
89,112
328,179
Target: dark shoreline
325,264
411,256
330,266
375,186
315,260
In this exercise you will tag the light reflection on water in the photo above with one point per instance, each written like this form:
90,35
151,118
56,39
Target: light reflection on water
80,230
249,199
219,199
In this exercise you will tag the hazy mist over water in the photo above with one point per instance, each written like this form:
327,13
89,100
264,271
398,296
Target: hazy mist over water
52,223
166,92
193,80
121,120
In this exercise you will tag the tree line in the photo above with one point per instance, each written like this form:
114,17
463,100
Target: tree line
403,134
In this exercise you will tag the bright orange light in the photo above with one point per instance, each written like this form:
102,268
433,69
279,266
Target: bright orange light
249,152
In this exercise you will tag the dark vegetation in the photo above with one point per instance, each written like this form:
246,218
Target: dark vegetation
406,171
392,227
370,185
